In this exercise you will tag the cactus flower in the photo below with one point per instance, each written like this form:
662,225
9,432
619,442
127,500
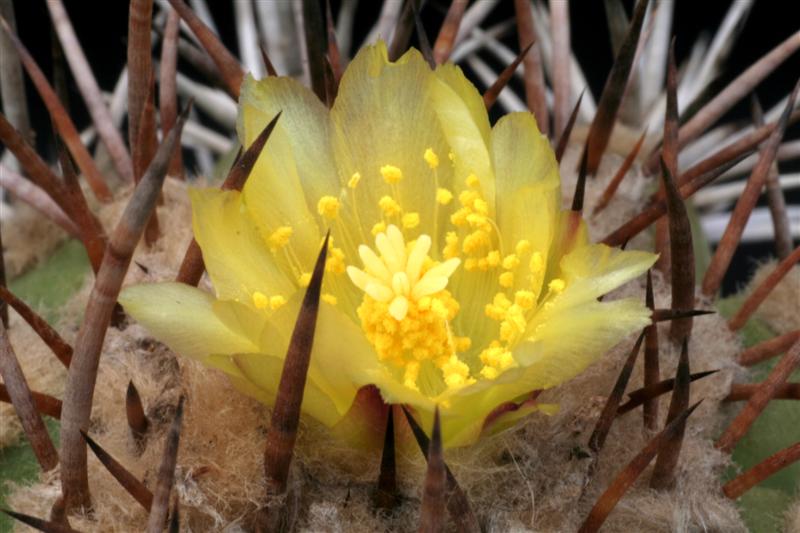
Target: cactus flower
448,281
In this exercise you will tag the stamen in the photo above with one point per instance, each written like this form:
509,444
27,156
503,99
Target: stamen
353,181
389,206
279,238
410,220
443,196
431,158
328,206
391,174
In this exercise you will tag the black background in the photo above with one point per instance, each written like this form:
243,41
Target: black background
102,28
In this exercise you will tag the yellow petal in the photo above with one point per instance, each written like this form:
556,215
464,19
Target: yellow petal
296,168
528,192
340,358
383,115
594,270
463,117
570,339
190,321
236,256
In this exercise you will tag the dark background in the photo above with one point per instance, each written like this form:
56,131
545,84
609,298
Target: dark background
102,28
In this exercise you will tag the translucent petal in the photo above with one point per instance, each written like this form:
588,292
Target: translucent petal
528,197
296,167
383,115
236,256
466,126
341,358
191,322
564,347
593,270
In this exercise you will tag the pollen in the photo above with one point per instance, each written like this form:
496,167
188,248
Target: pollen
328,206
280,237
443,196
329,298
406,310
353,181
451,246
506,279
389,206
260,300
523,247
391,174
378,228
536,263
557,285
304,279
431,158
511,262
525,299
276,302
335,261
410,220
473,182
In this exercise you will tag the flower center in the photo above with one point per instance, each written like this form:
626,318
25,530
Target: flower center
406,311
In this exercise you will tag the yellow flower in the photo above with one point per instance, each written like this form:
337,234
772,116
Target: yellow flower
468,305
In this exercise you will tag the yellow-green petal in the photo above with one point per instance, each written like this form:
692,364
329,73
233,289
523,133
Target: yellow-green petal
190,321
236,256
296,167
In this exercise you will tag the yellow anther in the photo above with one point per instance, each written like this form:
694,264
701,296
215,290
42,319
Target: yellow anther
304,279
391,174
443,196
536,263
276,302
467,198
473,181
410,220
335,261
451,247
456,373
459,218
500,299
406,311
451,156
431,158
328,206
280,237
328,298
506,279
475,241
260,300
380,227
556,285
389,206
525,299
493,258
481,206
354,179
411,374
462,343
523,247
489,373
510,262
483,264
